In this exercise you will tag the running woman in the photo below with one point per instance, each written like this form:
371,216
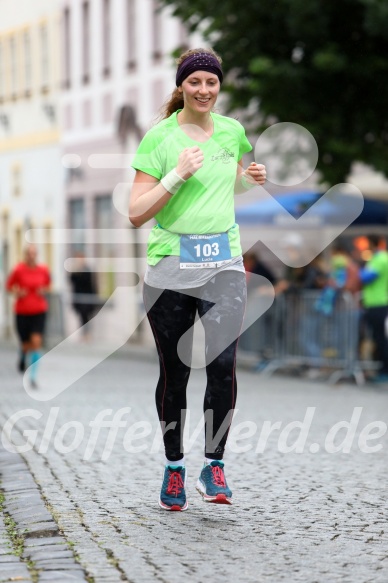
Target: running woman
29,282
188,168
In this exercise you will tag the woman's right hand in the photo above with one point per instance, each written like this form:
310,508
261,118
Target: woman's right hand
190,160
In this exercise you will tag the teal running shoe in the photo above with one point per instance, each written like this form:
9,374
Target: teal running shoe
212,484
172,494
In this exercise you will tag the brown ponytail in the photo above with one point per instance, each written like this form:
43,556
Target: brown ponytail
175,102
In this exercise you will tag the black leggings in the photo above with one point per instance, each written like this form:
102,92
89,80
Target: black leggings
221,305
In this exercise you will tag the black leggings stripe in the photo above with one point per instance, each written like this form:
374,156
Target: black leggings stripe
220,305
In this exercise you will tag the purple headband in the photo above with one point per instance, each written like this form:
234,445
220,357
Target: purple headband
198,62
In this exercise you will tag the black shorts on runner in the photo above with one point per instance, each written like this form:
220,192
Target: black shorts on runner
27,325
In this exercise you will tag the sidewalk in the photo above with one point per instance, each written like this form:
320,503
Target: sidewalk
297,518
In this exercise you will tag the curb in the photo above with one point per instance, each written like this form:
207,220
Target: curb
31,546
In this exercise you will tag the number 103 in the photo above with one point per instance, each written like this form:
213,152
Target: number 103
207,249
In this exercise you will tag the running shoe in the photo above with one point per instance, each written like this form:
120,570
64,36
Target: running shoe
212,484
172,494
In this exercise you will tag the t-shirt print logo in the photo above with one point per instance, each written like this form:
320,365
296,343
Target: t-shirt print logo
224,155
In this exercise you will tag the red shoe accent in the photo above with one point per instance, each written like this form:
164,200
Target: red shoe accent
218,477
175,484
176,507
221,499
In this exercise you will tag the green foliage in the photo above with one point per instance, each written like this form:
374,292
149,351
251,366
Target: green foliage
17,540
319,63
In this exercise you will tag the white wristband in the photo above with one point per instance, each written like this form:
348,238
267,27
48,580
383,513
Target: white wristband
245,182
172,182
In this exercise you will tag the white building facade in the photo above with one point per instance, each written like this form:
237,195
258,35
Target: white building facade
117,71
31,176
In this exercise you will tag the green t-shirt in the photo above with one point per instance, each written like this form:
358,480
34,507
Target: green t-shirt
204,204
376,293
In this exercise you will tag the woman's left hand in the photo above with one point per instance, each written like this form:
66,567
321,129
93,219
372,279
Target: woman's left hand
255,173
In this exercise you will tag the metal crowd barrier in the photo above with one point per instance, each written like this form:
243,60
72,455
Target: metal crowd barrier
301,330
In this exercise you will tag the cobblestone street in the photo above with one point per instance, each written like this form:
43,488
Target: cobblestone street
312,517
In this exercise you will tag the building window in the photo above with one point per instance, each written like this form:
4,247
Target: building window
16,180
104,215
131,34
44,58
68,117
19,242
156,31
48,245
13,67
87,113
158,94
106,37
77,221
6,238
183,37
104,251
66,49
85,43
27,81
2,72
107,108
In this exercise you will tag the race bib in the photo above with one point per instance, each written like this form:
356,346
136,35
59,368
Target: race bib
204,251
